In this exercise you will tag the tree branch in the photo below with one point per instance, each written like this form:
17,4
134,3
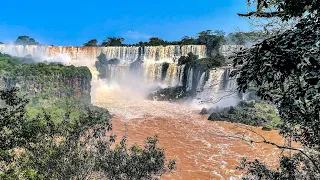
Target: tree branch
273,144
260,14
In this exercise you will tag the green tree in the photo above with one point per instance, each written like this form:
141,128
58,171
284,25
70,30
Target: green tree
238,38
285,69
212,40
75,148
154,41
1,42
25,40
91,43
186,40
113,41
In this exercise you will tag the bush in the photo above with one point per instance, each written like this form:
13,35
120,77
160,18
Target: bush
71,149
249,113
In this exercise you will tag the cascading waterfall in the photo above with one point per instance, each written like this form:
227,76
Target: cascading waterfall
218,88
189,79
201,82
181,73
150,62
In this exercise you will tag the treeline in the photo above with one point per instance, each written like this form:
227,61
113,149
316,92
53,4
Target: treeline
209,38
14,66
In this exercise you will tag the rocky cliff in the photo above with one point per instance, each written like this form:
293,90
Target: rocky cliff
45,80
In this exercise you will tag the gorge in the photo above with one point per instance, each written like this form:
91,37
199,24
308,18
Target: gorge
141,67
201,148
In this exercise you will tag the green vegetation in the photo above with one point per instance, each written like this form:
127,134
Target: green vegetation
241,38
47,81
169,94
113,41
285,69
203,64
253,113
25,40
57,134
1,42
102,65
91,43
75,147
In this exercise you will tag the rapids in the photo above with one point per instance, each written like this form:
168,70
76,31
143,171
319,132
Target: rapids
201,148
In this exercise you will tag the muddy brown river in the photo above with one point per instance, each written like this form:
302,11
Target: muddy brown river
202,149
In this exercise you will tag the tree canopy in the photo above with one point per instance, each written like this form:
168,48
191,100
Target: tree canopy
91,43
25,40
285,9
113,41
285,69
77,147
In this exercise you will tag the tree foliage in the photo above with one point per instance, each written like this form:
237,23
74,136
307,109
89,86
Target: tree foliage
202,64
25,40
77,148
91,43
285,9
285,69
113,41
242,38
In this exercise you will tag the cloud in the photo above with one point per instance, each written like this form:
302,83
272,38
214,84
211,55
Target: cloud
136,35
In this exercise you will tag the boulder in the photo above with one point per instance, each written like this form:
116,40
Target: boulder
214,117
204,111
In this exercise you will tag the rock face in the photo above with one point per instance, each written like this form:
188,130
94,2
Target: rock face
54,86
168,94
49,81
251,113
204,111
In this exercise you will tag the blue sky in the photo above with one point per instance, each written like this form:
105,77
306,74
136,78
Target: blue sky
73,22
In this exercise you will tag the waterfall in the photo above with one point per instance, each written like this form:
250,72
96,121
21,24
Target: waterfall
172,76
189,79
220,89
201,82
181,74
151,64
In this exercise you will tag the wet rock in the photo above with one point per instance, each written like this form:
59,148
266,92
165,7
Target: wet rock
204,111
167,94
215,117
264,128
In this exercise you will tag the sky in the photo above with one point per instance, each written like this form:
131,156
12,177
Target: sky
74,22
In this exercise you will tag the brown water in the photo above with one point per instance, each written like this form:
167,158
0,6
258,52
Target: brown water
202,148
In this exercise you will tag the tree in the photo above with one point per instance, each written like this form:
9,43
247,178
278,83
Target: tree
213,41
1,42
25,40
238,38
72,149
154,41
112,41
91,43
186,40
285,69
279,15
241,38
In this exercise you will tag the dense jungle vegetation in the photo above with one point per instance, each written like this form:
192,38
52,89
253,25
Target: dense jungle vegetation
285,69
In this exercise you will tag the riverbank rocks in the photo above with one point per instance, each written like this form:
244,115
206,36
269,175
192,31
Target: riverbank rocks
260,114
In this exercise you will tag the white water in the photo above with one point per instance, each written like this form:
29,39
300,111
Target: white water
211,90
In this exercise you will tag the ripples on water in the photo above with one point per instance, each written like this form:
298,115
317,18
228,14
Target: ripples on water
199,146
